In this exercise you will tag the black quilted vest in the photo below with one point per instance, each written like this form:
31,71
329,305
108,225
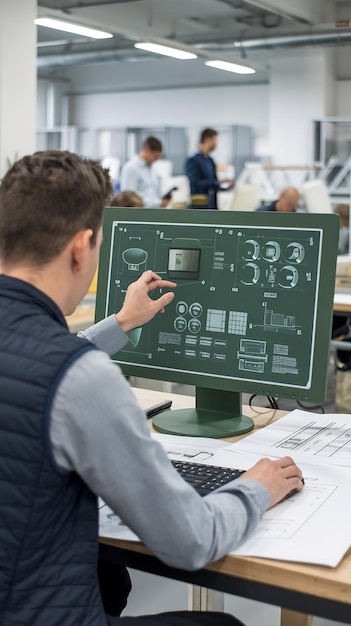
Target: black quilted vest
48,517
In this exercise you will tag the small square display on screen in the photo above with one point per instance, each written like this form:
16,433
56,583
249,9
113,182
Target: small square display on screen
183,262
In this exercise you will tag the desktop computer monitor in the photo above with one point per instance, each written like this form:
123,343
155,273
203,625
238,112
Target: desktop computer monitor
252,310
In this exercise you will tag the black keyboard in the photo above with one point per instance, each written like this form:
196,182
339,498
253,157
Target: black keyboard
205,478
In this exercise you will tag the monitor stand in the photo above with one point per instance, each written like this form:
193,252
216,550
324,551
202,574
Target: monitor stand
217,414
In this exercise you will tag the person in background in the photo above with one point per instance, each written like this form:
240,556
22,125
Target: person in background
287,202
127,199
70,427
201,169
138,175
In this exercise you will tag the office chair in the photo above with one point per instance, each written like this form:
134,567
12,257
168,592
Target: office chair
245,198
316,197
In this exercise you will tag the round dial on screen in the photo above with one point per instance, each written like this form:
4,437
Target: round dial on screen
295,252
182,308
271,251
194,325
250,274
195,309
251,250
288,277
180,324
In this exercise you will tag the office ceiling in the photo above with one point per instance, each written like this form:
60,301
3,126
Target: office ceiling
251,32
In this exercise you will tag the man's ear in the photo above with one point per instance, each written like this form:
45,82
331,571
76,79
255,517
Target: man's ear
80,243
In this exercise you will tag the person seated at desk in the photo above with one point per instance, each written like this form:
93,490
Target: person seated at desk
287,202
127,199
201,169
137,174
70,427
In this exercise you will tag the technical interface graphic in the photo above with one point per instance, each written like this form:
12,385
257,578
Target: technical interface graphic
245,303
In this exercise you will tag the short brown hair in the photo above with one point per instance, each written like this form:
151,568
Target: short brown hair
207,133
127,199
153,144
45,199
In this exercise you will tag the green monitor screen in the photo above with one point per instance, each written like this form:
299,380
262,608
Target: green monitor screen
252,310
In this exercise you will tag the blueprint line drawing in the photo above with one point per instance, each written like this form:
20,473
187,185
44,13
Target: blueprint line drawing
324,441
283,522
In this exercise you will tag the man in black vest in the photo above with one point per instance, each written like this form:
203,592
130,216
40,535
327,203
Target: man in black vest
70,428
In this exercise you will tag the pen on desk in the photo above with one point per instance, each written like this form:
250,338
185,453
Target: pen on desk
158,408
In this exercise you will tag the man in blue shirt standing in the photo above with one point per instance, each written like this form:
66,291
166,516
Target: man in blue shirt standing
138,175
201,169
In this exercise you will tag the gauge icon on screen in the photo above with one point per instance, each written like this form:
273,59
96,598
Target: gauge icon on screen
194,325
182,308
295,252
180,324
195,309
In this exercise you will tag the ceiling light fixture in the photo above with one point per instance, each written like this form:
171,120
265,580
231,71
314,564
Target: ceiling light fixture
230,67
69,27
175,53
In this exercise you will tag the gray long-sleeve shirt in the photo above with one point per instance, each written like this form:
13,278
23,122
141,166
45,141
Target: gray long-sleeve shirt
99,431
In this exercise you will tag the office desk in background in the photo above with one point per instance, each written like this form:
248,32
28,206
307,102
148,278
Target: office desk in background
301,590
83,316
342,301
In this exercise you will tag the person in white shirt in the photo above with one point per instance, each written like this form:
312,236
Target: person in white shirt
138,175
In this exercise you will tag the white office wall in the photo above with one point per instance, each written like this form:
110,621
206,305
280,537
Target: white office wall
52,103
193,108
41,103
301,89
343,98
17,80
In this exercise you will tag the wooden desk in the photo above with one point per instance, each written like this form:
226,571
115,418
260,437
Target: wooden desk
302,590
342,301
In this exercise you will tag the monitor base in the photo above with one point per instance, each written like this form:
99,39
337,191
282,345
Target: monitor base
202,423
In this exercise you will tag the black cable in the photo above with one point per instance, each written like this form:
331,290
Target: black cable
251,398
272,401
311,408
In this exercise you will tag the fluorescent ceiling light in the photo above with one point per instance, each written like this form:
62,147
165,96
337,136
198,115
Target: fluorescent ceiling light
69,27
175,53
230,67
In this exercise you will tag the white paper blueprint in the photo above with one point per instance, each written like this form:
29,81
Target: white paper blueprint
312,437
312,526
